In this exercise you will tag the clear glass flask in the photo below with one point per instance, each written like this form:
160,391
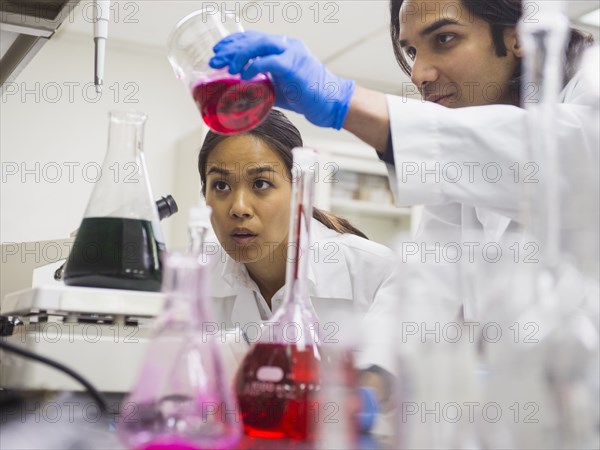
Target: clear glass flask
227,103
182,399
119,243
545,372
339,401
569,343
277,381
198,228
434,350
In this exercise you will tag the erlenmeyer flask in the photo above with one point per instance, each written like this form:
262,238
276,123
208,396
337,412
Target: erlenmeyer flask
279,376
548,368
568,347
182,399
119,243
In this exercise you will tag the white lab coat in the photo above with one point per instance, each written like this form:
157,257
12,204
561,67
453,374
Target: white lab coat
346,275
433,144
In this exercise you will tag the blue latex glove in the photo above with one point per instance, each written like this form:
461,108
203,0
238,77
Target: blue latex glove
302,83
368,410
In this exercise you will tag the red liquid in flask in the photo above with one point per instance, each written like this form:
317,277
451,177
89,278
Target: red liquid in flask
276,386
230,105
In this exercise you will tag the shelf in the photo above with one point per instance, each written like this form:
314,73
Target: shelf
369,207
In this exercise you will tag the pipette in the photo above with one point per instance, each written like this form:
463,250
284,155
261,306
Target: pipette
100,34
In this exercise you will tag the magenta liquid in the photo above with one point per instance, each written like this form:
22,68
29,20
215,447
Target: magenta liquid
180,443
230,105
172,443
178,423
284,408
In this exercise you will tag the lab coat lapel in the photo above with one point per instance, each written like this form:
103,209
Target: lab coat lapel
245,310
230,285
328,273
494,224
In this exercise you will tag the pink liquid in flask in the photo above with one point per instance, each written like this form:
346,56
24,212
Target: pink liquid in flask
174,442
171,443
230,105
276,387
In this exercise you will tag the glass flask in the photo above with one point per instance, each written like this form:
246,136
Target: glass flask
119,243
546,370
198,228
182,399
277,380
569,341
227,103
339,400
435,390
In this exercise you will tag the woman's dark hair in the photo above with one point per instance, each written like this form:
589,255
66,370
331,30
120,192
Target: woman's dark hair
500,14
282,136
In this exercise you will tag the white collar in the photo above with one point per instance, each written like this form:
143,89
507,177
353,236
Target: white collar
327,263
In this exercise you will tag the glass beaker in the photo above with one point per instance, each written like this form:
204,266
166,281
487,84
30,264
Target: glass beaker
339,401
277,380
182,399
227,103
547,368
119,243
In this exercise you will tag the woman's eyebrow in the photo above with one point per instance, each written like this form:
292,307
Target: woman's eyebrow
260,170
219,171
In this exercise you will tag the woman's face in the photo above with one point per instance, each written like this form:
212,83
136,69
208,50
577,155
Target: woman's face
453,58
249,190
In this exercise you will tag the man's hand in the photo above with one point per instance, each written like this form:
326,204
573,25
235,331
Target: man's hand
302,83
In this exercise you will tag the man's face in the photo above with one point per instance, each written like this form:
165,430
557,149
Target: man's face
453,58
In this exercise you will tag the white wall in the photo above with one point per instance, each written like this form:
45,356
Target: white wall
51,118
46,122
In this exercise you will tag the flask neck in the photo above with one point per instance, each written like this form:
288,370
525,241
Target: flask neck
298,257
185,286
297,309
545,43
126,135
197,239
198,229
122,189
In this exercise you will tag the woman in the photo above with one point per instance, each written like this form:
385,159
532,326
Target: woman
246,180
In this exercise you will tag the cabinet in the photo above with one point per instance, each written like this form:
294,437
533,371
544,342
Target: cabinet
353,183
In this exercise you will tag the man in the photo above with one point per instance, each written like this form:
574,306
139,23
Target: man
462,151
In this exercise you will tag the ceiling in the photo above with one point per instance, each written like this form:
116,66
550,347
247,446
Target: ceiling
350,36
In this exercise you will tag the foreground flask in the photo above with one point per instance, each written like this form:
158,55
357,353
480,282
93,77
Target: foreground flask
277,381
119,242
182,398
554,350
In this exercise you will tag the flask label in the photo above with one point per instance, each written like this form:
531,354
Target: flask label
270,373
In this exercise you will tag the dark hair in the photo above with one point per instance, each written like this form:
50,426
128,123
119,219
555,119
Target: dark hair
500,14
282,136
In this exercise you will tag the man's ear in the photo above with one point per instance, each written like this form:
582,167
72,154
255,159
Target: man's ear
511,41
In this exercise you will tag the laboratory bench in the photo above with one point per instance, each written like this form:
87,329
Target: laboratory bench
72,420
